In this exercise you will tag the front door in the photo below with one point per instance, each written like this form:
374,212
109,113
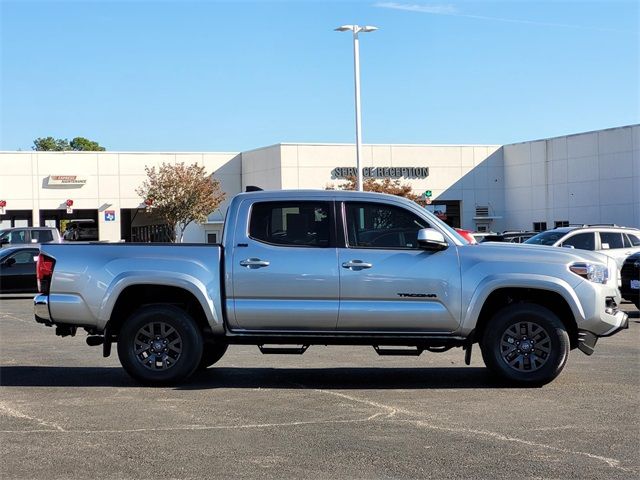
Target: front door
387,283
18,272
285,268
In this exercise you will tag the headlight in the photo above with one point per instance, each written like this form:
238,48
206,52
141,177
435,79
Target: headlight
594,272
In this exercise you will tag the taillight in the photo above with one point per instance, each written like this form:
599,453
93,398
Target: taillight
44,272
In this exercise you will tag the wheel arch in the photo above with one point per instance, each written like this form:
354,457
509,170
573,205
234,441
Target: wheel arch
133,297
505,296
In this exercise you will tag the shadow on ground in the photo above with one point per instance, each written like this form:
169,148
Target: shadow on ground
286,378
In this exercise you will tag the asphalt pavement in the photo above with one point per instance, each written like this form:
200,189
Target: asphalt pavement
334,413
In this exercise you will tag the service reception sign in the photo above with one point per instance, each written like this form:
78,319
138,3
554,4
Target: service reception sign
381,172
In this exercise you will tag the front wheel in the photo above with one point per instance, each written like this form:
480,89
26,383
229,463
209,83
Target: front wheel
159,345
525,344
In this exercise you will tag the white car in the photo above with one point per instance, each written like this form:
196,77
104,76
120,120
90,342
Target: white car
614,241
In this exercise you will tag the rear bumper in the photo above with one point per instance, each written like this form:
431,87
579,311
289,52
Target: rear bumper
41,309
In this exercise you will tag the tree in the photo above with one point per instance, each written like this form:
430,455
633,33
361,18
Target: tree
50,144
82,144
385,185
79,144
181,194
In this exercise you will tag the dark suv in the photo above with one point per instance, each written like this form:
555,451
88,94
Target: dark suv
630,276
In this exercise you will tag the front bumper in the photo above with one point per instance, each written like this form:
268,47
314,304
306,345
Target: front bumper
41,310
587,340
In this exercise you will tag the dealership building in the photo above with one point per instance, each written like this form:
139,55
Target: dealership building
591,177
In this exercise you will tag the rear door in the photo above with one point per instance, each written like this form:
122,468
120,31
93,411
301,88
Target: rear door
388,283
285,268
616,245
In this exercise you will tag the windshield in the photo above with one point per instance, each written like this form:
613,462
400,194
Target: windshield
546,238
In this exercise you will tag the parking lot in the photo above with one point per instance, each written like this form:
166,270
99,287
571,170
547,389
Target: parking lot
335,412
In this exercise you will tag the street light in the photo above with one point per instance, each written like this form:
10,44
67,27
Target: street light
356,72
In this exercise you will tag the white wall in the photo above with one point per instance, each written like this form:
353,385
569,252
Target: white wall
472,174
112,178
591,177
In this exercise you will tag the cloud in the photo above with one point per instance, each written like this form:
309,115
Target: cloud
442,9
448,9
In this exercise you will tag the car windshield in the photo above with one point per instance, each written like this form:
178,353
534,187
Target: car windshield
546,238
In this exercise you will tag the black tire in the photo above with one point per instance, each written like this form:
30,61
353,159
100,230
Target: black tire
212,353
525,344
160,345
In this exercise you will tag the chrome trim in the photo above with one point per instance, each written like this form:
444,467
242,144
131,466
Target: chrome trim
41,308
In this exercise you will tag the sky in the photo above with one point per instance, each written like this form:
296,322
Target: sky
232,76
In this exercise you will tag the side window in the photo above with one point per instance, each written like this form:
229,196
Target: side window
582,241
611,240
375,225
42,236
18,236
27,256
634,240
303,224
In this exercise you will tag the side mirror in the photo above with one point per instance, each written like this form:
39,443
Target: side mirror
4,240
9,262
431,239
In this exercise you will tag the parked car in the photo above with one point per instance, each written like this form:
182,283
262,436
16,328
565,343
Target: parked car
509,236
630,276
81,230
614,241
480,236
18,269
467,235
22,235
308,268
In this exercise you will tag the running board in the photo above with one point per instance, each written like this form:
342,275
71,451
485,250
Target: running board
410,352
283,350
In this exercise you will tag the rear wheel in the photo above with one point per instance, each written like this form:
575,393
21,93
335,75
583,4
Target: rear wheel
212,353
159,345
525,344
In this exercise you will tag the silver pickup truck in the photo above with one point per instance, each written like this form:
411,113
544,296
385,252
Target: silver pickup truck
301,268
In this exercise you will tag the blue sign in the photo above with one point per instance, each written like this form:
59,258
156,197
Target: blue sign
109,215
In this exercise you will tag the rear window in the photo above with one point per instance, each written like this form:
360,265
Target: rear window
303,224
634,240
611,240
42,236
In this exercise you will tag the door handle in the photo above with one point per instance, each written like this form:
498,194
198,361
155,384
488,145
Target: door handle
254,263
356,265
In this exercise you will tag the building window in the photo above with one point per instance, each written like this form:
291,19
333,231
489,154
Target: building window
561,223
539,226
212,238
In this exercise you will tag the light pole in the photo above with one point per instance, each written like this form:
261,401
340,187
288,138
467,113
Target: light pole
356,73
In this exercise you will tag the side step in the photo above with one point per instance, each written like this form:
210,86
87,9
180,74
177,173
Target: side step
413,351
283,350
